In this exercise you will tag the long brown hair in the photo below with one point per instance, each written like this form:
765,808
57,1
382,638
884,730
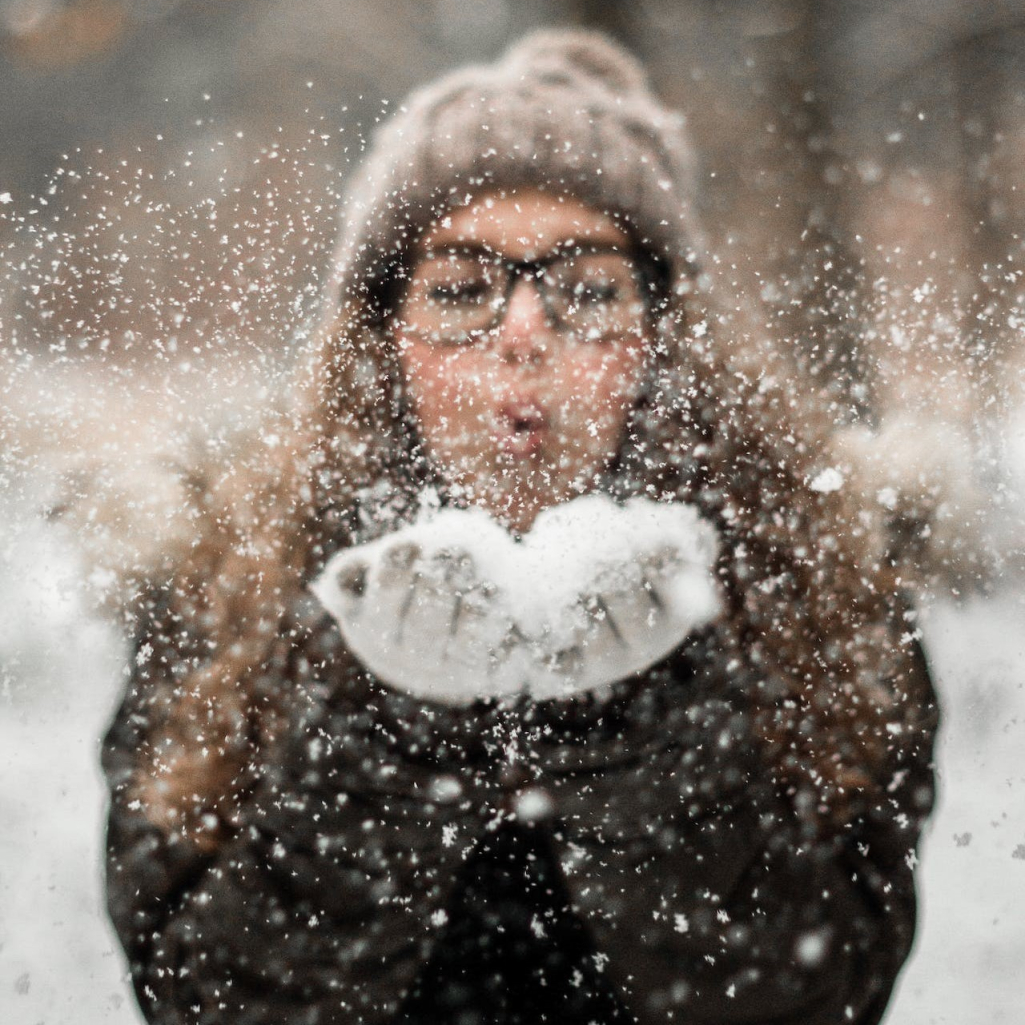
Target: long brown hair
809,601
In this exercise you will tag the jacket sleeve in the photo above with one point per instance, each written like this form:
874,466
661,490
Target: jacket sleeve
714,899
315,904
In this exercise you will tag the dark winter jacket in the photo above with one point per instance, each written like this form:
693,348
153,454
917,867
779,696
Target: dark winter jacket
581,860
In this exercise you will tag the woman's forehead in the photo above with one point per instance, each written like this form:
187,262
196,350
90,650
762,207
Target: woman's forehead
523,224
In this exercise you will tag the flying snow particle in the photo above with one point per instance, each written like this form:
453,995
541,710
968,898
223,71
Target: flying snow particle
811,948
445,789
827,480
887,497
6,197
533,805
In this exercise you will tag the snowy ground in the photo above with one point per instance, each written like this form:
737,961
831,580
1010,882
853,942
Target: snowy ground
967,964
59,678
59,675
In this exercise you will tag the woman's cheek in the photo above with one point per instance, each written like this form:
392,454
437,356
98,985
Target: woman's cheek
611,371
603,386
469,390
445,388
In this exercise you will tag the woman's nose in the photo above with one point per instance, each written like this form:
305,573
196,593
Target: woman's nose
525,334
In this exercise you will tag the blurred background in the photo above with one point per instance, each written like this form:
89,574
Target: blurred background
169,183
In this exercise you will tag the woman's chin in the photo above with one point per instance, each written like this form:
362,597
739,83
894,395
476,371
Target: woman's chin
514,491
516,514
517,508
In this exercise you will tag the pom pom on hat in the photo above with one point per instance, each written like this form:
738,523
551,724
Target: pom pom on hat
561,53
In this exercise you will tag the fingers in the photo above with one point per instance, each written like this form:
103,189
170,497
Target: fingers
439,594
627,618
420,616
600,617
352,581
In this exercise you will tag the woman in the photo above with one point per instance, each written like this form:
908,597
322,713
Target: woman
356,779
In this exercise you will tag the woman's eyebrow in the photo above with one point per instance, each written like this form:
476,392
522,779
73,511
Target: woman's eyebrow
591,245
457,246
584,244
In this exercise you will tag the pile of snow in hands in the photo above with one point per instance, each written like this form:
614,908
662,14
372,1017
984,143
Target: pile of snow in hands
454,609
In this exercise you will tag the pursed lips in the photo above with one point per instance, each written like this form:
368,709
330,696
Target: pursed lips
521,427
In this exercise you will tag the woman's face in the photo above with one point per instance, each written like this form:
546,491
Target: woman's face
522,377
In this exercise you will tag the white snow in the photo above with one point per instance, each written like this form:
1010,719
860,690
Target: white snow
453,608
966,966
827,480
59,677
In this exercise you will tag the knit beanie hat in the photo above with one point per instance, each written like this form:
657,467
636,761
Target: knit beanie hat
564,111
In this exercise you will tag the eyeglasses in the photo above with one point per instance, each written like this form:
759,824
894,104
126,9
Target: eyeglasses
455,296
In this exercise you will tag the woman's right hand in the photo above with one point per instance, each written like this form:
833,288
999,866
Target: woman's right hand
421,618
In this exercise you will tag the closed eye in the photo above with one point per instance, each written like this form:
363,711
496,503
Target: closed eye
597,292
467,292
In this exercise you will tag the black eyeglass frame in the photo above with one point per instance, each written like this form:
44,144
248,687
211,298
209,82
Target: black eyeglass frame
651,274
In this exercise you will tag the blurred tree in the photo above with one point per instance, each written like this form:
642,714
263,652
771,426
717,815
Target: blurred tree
619,20
978,60
811,279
